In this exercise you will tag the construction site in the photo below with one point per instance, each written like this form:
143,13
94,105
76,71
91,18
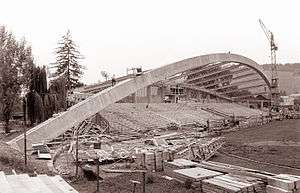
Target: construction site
202,124
214,123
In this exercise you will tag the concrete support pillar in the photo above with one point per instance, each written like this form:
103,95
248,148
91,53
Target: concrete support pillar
187,93
261,104
148,94
208,98
133,95
248,104
162,93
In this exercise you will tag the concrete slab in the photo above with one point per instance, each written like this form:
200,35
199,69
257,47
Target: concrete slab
196,174
182,163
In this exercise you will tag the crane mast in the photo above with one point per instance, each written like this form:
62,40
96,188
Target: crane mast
274,73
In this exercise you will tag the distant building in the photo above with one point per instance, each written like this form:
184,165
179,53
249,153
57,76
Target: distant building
286,101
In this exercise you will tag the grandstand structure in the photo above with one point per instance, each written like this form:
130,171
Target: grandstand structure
135,117
232,78
220,81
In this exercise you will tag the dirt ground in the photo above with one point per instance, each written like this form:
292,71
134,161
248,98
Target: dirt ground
12,159
276,143
123,184
273,148
281,155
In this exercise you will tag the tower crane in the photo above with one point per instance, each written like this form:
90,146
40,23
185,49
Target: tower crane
274,73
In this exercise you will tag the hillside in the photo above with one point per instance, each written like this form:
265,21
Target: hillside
289,77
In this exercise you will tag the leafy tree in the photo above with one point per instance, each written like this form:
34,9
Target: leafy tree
35,107
58,94
36,96
16,62
39,80
67,61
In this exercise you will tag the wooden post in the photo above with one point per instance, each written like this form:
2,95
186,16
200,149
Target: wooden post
208,124
76,153
162,161
144,173
25,130
98,183
144,161
144,182
154,156
25,148
134,185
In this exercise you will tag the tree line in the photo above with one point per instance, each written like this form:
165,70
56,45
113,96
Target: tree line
21,79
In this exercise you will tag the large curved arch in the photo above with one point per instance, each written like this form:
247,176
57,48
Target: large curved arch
81,111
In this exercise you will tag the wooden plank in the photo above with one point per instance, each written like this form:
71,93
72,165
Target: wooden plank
40,186
281,183
243,179
272,189
295,179
231,183
124,171
227,168
62,184
181,163
49,183
5,187
16,184
221,185
234,182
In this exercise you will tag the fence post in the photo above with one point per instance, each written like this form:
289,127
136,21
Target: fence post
154,156
144,173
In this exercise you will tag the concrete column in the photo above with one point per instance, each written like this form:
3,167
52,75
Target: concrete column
133,95
261,104
208,98
162,93
148,94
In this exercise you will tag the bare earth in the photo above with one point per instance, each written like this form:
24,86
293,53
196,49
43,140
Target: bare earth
276,143
239,143
275,146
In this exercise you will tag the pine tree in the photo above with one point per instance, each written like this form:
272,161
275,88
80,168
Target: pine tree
67,61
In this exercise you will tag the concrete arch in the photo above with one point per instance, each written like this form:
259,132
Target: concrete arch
83,110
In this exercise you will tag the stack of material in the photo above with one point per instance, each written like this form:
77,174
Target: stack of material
153,161
233,183
180,164
194,174
283,183
201,152
41,183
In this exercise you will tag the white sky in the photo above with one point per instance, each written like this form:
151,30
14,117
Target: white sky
114,35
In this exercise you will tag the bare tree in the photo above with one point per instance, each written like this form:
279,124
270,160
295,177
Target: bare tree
105,75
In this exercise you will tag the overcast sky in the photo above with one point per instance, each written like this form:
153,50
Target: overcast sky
114,35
